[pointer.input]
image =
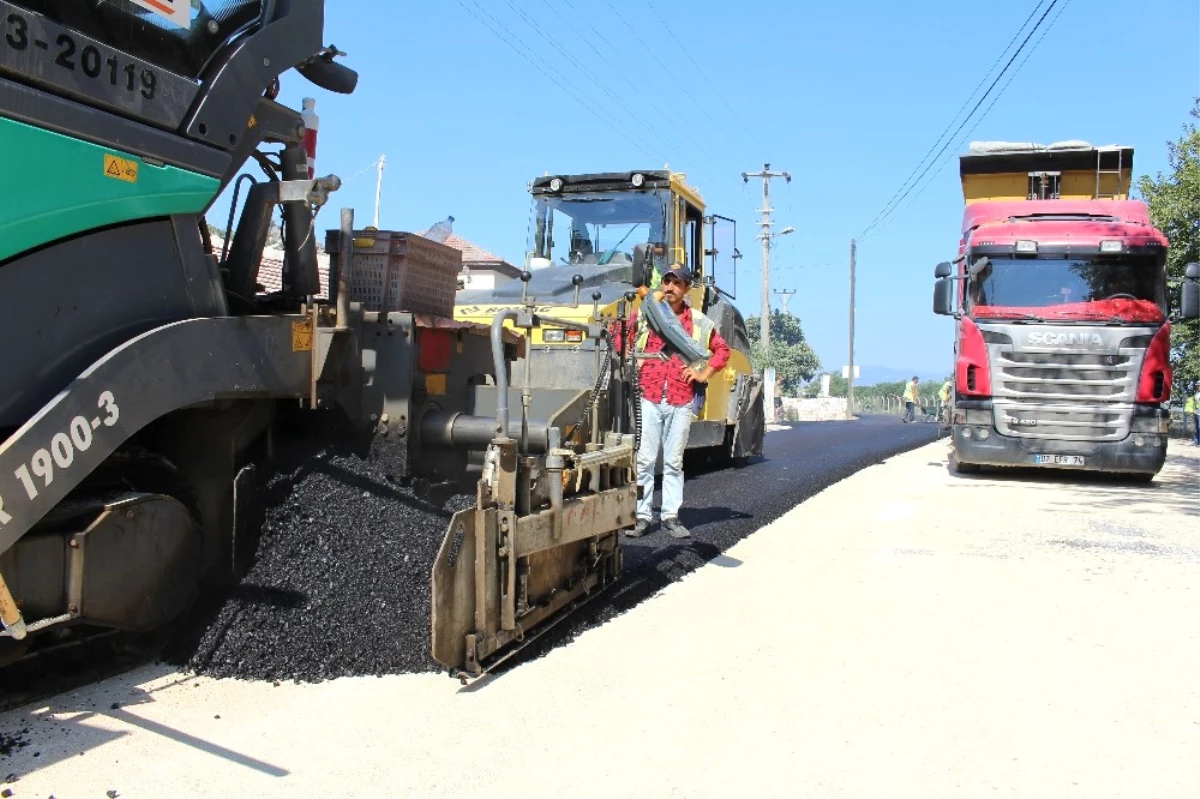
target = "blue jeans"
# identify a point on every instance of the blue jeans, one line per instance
(1196, 428)
(664, 427)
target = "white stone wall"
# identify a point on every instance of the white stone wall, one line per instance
(822, 409)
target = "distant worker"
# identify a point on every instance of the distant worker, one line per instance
(1191, 408)
(910, 399)
(944, 397)
(668, 391)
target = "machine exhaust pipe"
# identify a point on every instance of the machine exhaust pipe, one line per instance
(463, 431)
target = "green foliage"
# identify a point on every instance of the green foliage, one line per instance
(839, 386)
(1174, 201)
(790, 355)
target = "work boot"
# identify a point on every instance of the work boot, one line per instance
(639, 529)
(674, 528)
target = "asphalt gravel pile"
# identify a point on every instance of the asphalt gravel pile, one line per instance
(339, 584)
(12, 741)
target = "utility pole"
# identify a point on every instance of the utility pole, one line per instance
(850, 372)
(785, 296)
(764, 324)
(378, 189)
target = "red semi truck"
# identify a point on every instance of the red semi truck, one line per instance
(1059, 295)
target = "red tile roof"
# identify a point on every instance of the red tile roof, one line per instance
(270, 268)
(472, 252)
(477, 258)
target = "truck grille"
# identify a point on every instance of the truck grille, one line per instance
(1070, 396)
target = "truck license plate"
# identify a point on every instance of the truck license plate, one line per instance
(1058, 460)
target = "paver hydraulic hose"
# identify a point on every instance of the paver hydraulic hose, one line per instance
(664, 322)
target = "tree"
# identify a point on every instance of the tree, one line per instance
(1174, 202)
(789, 355)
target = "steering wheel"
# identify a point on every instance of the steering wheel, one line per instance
(1121, 295)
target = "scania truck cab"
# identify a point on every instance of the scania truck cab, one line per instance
(1059, 295)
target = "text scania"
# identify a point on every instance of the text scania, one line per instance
(1065, 339)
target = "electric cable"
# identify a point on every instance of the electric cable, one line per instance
(549, 73)
(896, 201)
(978, 121)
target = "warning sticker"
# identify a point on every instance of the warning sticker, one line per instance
(177, 11)
(436, 385)
(302, 336)
(120, 168)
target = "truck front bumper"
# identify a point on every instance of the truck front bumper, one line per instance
(1126, 456)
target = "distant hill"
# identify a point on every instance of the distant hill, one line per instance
(870, 375)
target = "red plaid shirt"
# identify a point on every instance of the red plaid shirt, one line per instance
(665, 378)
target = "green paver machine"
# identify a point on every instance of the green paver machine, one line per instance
(147, 372)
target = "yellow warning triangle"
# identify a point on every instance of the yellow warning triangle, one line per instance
(114, 168)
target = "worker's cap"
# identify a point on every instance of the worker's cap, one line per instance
(680, 272)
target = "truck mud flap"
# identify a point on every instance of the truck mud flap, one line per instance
(750, 428)
(147, 377)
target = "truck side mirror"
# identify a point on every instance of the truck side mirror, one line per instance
(944, 297)
(1189, 293)
(944, 269)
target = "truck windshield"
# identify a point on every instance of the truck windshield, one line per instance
(595, 228)
(148, 29)
(1117, 288)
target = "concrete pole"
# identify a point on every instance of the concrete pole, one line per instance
(764, 323)
(850, 374)
(379, 189)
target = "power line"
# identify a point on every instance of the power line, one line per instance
(567, 55)
(946, 130)
(967, 117)
(700, 70)
(982, 116)
(601, 84)
(545, 69)
(668, 71)
(529, 55)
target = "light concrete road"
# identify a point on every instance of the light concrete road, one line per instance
(904, 633)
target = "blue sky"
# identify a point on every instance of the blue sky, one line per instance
(847, 97)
